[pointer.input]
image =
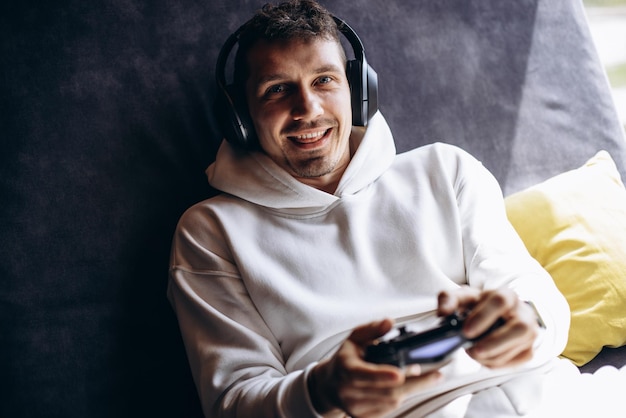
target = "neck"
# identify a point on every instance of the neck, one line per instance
(328, 182)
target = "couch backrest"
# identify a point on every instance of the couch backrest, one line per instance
(107, 130)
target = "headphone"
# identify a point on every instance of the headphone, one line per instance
(232, 111)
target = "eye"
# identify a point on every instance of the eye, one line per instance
(324, 79)
(276, 89)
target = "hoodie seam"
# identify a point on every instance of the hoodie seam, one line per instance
(308, 215)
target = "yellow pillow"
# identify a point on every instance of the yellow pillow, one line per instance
(574, 224)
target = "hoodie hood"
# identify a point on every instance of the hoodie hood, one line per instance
(256, 178)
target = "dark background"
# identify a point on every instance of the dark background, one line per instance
(106, 127)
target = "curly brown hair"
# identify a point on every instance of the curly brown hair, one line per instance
(295, 19)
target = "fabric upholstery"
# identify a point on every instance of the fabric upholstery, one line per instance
(107, 129)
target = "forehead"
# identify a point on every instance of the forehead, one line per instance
(290, 57)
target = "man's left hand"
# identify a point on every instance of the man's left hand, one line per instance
(509, 345)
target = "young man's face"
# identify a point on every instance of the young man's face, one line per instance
(299, 100)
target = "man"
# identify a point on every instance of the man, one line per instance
(322, 233)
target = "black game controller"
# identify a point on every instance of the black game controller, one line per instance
(431, 348)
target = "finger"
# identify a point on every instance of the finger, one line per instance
(367, 333)
(352, 369)
(377, 402)
(521, 358)
(446, 303)
(460, 299)
(382, 377)
(369, 401)
(491, 306)
(411, 385)
(356, 399)
(505, 344)
(511, 358)
(419, 383)
(413, 370)
(491, 349)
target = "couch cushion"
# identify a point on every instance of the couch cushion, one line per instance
(574, 224)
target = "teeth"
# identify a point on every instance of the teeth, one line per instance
(311, 135)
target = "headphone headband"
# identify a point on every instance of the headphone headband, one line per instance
(352, 37)
(232, 111)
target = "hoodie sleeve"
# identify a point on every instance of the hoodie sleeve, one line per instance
(235, 360)
(495, 254)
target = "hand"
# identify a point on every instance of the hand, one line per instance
(346, 382)
(509, 345)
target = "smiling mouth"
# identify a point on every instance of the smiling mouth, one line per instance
(309, 138)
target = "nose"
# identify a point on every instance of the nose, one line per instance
(307, 105)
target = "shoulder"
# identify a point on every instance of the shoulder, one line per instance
(205, 216)
(441, 166)
(200, 239)
(438, 151)
(439, 157)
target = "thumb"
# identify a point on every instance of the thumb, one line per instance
(462, 298)
(364, 334)
(447, 303)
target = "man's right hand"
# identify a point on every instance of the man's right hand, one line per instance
(347, 383)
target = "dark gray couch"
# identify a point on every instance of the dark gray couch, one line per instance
(106, 131)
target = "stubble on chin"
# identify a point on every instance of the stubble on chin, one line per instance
(313, 167)
(315, 163)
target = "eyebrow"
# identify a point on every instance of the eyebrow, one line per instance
(330, 68)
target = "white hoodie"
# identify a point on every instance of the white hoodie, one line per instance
(270, 277)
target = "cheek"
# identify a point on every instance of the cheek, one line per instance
(264, 124)
(267, 126)
(345, 104)
(266, 118)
